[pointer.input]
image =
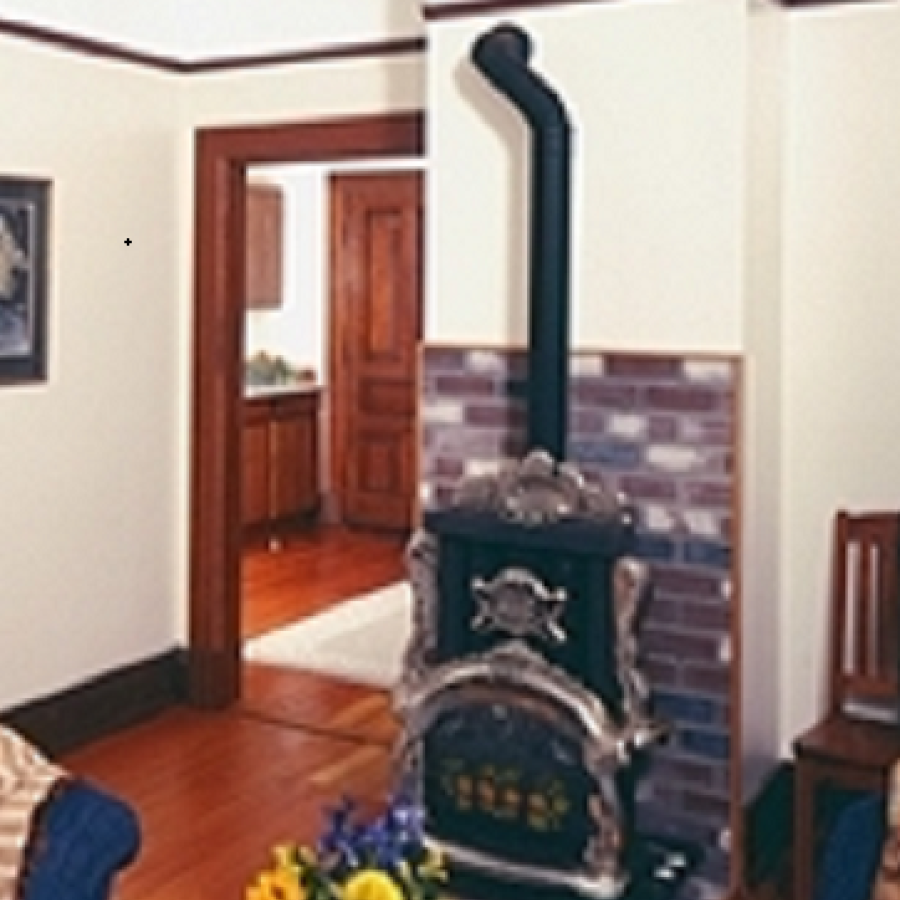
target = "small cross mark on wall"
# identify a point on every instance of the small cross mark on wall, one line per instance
(128, 241)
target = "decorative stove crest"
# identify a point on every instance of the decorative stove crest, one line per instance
(537, 490)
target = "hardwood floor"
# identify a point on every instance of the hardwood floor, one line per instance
(215, 791)
(313, 570)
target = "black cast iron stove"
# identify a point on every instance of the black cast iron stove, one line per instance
(522, 704)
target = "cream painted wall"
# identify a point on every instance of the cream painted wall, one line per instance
(762, 445)
(152, 27)
(90, 457)
(841, 318)
(656, 92)
(215, 28)
(236, 27)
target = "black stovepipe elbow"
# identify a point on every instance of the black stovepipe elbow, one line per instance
(502, 55)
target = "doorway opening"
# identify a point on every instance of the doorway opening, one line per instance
(332, 327)
(223, 157)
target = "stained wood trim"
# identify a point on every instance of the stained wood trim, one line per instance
(329, 53)
(103, 705)
(86, 46)
(804, 3)
(436, 12)
(115, 52)
(221, 159)
(485, 7)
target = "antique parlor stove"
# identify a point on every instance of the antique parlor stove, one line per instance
(523, 709)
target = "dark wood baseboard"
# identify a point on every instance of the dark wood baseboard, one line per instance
(103, 705)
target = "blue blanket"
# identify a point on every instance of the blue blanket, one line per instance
(81, 839)
(852, 851)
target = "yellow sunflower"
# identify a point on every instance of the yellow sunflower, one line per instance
(279, 884)
(370, 884)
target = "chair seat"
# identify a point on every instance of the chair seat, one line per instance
(848, 743)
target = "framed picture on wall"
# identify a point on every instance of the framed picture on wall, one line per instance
(24, 213)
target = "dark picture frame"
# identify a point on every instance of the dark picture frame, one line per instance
(24, 242)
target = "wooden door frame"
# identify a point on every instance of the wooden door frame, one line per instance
(222, 156)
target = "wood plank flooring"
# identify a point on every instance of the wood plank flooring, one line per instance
(215, 791)
(313, 570)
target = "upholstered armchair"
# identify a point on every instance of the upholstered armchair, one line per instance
(81, 839)
(61, 838)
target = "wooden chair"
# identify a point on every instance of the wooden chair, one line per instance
(854, 745)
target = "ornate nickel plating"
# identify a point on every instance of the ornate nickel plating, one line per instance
(421, 562)
(631, 589)
(537, 490)
(519, 604)
(606, 746)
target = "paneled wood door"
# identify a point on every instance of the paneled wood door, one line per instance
(376, 239)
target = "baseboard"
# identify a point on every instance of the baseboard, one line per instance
(103, 705)
(768, 828)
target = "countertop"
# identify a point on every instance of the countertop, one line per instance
(252, 391)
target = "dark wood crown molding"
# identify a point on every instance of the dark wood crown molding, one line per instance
(331, 53)
(804, 3)
(73, 43)
(113, 52)
(438, 11)
(435, 12)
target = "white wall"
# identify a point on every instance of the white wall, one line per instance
(296, 328)
(762, 442)
(89, 457)
(215, 28)
(842, 308)
(152, 27)
(656, 92)
(236, 27)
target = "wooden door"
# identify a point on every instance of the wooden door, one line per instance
(375, 329)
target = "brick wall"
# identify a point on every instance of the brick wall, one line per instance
(663, 431)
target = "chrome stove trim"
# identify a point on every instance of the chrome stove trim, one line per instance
(603, 887)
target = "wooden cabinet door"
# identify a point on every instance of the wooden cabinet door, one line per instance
(295, 456)
(376, 305)
(265, 251)
(255, 488)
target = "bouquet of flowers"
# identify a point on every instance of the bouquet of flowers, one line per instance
(382, 859)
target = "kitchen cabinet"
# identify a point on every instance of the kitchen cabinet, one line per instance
(280, 489)
(265, 245)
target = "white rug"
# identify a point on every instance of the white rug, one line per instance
(361, 640)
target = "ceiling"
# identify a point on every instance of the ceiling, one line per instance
(194, 30)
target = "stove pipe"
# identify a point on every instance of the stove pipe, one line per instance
(502, 56)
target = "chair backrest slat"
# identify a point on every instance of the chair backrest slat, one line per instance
(864, 642)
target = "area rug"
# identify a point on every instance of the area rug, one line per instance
(360, 640)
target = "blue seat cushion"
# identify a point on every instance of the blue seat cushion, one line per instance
(81, 838)
(852, 851)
